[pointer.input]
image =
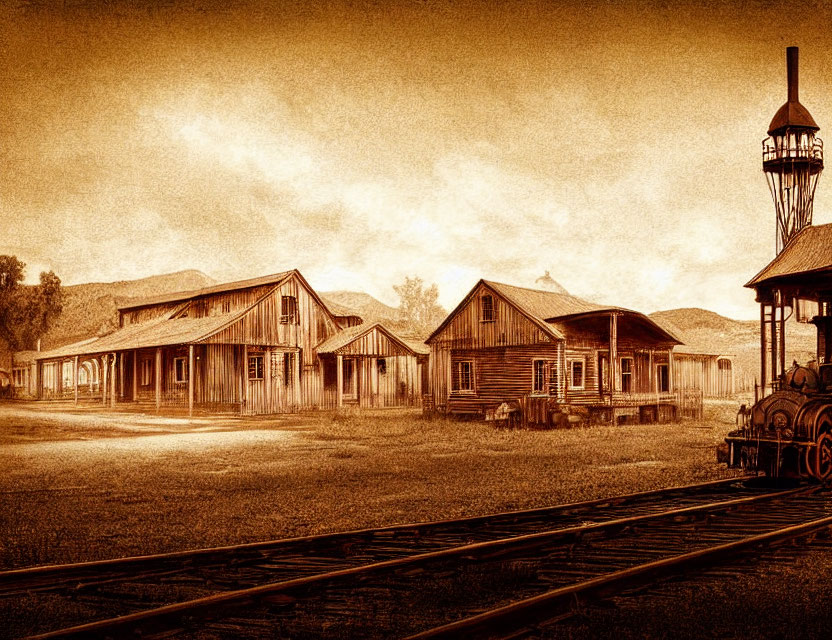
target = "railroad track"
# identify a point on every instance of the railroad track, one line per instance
(301, 583)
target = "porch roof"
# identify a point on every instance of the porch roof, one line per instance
(155, 333)
(808, 254)
(351, 334)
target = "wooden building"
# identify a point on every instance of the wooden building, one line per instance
(251, 347)
(509, 344)
(710, 373)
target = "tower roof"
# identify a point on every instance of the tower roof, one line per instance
(792, 114)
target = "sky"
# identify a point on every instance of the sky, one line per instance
(616, 145)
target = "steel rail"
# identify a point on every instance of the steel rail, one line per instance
(50, 577)
(155, 620)
(558, 604)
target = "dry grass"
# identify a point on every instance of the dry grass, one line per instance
(88, 485)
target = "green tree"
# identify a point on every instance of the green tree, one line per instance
(26, 312)
(419, 311)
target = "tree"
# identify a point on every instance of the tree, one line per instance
(26, 312)
(419, 311)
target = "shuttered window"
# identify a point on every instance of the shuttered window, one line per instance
(288, 310)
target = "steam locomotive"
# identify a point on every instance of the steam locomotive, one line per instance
(788, 433)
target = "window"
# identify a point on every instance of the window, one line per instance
(382, 366)
(83, 376)
(146, 377)
(553, 378)
(604, 373)
(180, 366)
(348, 387)
(575, 370)
(68, 379)
(627, 375)
(255, 367)
(539, 376)
(18, 377)
(462, 376)
(288, 310)
(487, 309)
(288, 368)
(663, 378)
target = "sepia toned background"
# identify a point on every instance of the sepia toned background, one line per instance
(615, 144)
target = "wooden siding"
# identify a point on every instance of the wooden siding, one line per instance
(510, 326)
(374, 343)
(261, 326)
(702, 372)
(398, 384)
(500, 375)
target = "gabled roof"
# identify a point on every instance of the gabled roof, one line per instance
(351, 334)
(339, 309)
(547, 307)
(218, 288)
(809, 251)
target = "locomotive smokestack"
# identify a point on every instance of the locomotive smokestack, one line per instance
(791, 70)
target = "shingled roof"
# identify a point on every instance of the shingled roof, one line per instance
(547, 307)
(350, 334)
(159, 332)
(217, 288)
(810, 251)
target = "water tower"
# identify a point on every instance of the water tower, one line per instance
(792, 160)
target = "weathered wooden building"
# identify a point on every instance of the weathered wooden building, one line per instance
(252, 346)
(504, 343)
(710, 373)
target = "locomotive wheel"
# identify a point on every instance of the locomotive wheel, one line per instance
(809, 462)
(822, 463)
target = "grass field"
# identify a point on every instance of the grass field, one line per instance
(85, 485)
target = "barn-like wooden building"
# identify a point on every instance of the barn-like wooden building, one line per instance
(258, 346)
(508, 344)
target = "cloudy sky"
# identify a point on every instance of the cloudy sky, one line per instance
(616, 145)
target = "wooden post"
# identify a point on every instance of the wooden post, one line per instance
(763, 348)
(190, 380)
(782, 333)
(158, 378)
(670, 370)
(121, 375)
(113, 382)
(615, 383)
(75, 377)
(339, 389)
(104, 380)
(135, 376)
(244, 394)
(267, 379)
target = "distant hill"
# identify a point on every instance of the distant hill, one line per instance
(92, 309)
(708, 332)
(363, 304)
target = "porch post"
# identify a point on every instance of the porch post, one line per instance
(104, 380)
(113, 382)
(158, 378)
(339, 388)
(244, 378)
(190, 380)
(763, 347)
(615, 382)
(670, 370)
(135, 376)
(75, 377)
(121, 375)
